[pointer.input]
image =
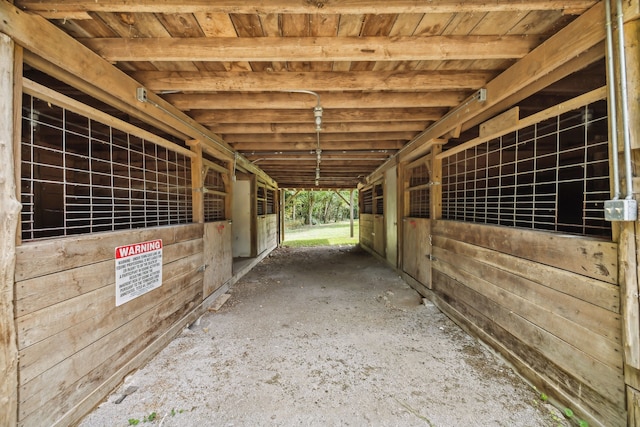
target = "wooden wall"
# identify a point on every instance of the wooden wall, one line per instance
(267, 232)
(218, 255)
(372, 231)
(75, 345)
(549, 303)
(366, 230)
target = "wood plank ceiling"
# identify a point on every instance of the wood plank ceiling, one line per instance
(384, 71)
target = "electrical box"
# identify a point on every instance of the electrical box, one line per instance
(141, 94)
(621, 210)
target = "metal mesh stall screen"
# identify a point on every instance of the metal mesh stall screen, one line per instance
(214, 202)
(367, 201)
(419, 192)
(271, 209)
(82, 176)
(550, 176)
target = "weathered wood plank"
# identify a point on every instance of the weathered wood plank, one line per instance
(9, 219)
(101, 387)
(417, 249)
(53, 319)
(503, 121)
(598, 293)
(294, 6)
(58, 390)
(397, 48)
(556, 317)
(48, 352)
(50, 256)
(37, 293)
(218, 256)
(606, 380)
(589, 257)
(316, 81)
(544, 373)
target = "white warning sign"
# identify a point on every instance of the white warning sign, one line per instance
(138, 269)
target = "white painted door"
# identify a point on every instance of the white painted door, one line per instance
(241, 219)
(391, 215)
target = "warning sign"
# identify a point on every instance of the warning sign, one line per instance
(138, 269)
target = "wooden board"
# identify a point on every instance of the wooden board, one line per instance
(543, 373)
(505, 120)
(601, 294)
(72, 337)
(597, 334)
(589, 257)
(9, 217)
(51, 256)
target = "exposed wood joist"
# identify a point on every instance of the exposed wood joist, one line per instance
(327, 128)
(331, 145)
(209, 117)
(58, 9)
(196, 81)
(308, 137)
(313, 48)
(586, 31)
(286, 101)
(45, 40)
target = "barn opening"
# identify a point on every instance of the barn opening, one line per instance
(490, 150)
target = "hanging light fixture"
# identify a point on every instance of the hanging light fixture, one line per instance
(317, 116)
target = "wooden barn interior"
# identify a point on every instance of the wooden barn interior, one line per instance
(494, 145)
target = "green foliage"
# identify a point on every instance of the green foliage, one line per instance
(544, 397)
(583, 423)
(321, 235)
(568, 413)
(134, 421)
(325, 206)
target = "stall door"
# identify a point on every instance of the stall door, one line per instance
(218, 255)
(391, 216)
(416, 253)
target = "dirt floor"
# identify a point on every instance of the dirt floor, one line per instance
(325, 337)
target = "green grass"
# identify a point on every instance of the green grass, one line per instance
(321, 235)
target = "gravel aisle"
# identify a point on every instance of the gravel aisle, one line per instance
(324, 337)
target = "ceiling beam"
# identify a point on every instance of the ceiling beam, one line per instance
(342, 127)
(330, 145)
(211, 117)
(108, 83)
(579, 36)
(198, 81)
(280, 100)
(62, 8)
(266, 49)
(311, 137)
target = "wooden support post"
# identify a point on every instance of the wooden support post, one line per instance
(351, 202)
(197, 181)
(228, 180)
(630, 233)
(400, 211)
(281, 210)
(17, 124)
(436, 179)
(9, 214)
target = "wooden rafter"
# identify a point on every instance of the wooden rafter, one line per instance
(312, 48)
(60, 7)
(317, 81)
